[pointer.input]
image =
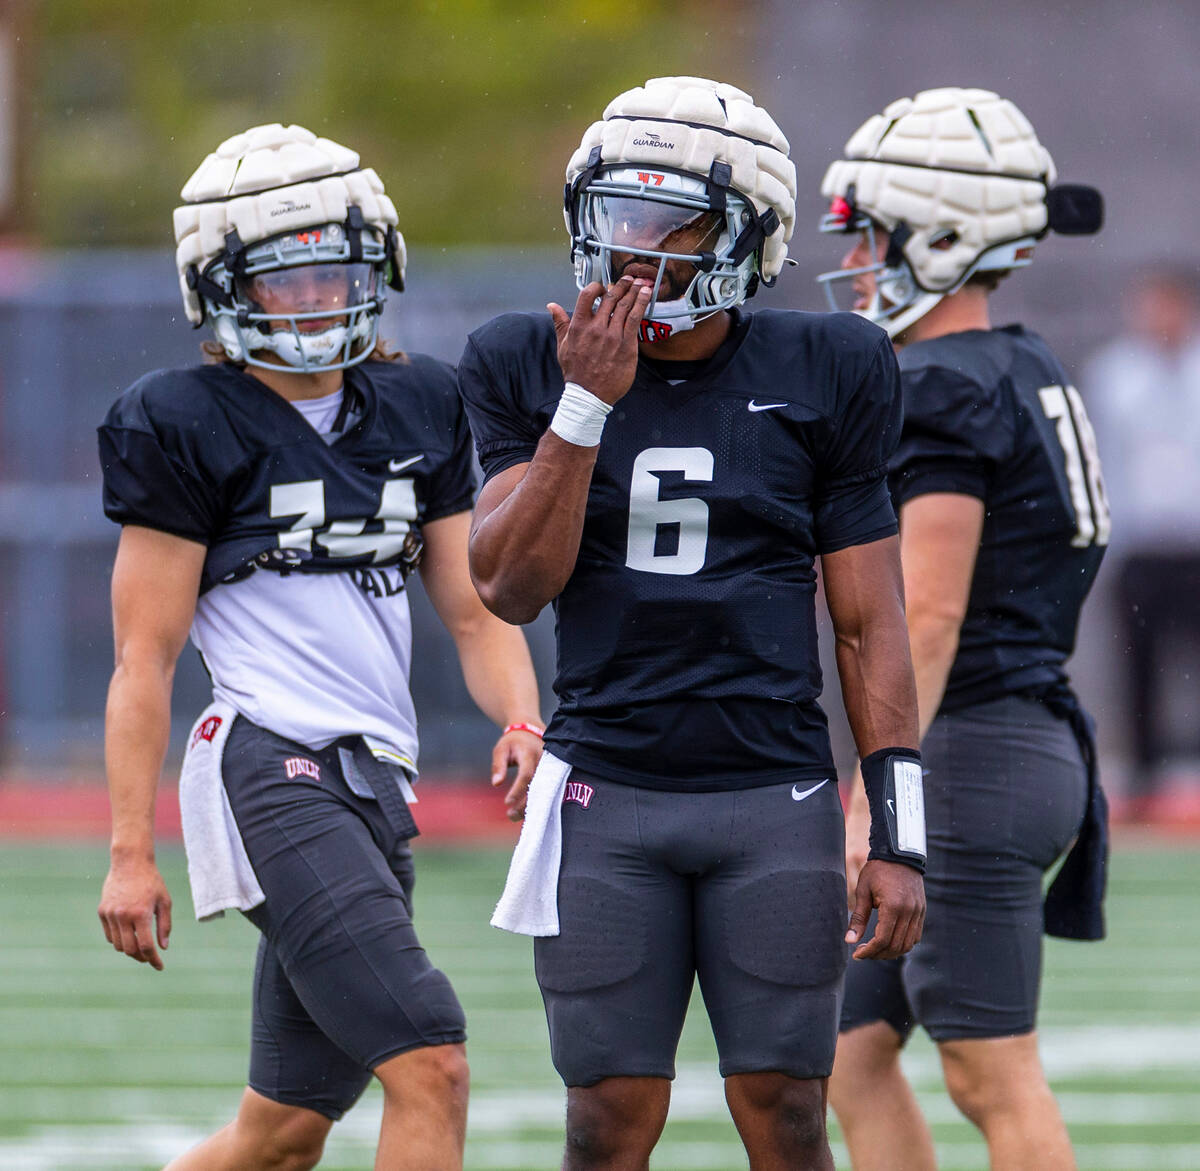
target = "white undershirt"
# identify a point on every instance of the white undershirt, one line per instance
(311, 656)
(321, 412)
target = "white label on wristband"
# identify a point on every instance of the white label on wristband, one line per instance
(910, 806)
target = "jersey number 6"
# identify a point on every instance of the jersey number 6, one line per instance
(649, 514)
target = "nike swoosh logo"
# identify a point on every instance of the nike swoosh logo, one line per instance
(891, 806)
(764, 406)
(397, 465)
(798, 796)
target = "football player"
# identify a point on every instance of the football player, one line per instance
(1003, 522)
(665, 468)
(275, 502)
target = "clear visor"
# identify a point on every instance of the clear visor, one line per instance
(316, 294)
(650, 226)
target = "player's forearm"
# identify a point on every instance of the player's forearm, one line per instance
(136, 731)
(878, 689)
(498, 672)
(524, 549)
(934, 643)
(940, 535)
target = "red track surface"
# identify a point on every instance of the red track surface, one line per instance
(447, 811)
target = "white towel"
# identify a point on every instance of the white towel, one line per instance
(218, 868)
(529, 904)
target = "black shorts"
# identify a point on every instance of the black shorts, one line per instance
(745, 889)
(341, 983)
(1004, 797)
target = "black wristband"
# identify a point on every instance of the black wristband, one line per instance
(896, 796)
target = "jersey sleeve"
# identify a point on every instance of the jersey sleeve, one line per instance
(852, 504)
(956, 432)
(146, 482)
(452, 486)
(504, 434)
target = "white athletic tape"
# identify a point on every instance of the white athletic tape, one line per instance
(580, 416)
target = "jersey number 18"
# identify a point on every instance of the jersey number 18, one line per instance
(1064, 408)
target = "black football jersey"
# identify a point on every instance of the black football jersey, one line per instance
(687, 653)
(992, 414)
(212, 454)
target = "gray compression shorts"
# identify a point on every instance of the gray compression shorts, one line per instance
(1004, 797)
(745, 889)
(341, 983)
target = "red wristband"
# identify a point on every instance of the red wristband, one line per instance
(533, 728)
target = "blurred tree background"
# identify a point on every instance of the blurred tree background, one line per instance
(468, 109)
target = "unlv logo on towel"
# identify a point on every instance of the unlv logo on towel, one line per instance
(207, 730)
(297, 766)
(579, 792)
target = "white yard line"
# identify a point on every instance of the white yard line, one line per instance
(498, 1115)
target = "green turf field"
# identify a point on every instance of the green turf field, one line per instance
(111, 1065)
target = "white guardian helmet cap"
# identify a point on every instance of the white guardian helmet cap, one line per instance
(683, 169)
(279, 217)
(959, 180)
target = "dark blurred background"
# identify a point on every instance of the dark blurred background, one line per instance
(469, 112)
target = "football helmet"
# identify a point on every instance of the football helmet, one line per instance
(682, 169)
(959, 180)
(287, 246)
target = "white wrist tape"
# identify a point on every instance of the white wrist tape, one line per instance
(580, 416)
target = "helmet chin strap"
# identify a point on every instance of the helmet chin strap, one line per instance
(897, 301)
(910, 314)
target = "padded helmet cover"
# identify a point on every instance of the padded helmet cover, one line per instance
(271, 180)
(688, 123)
(960, 161)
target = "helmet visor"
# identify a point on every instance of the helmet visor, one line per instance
(647, 225)
(315, 296)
